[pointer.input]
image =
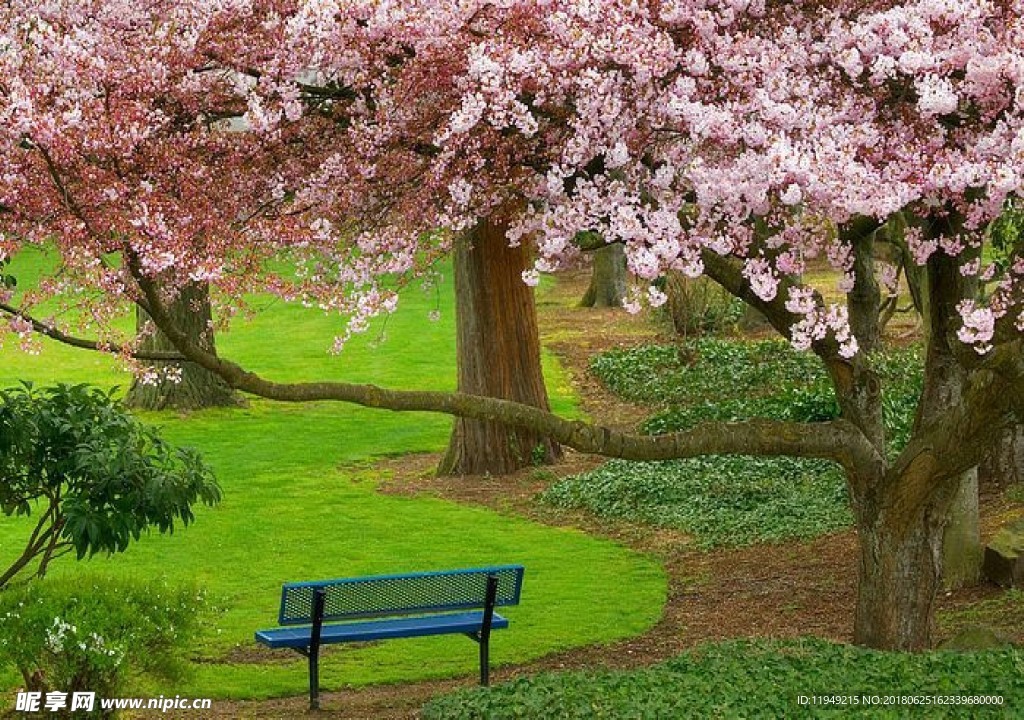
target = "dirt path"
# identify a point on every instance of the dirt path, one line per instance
(784, 590)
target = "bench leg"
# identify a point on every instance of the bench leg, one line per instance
(314, 679)
(319, 598)
(485, 665)
(490, 594)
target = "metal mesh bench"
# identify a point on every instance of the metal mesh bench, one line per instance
(382, 607)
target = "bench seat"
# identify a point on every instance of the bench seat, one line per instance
(299, 637)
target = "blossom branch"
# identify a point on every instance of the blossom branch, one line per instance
(53, 333)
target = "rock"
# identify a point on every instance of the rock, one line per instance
(1004, 556)
(977, 637)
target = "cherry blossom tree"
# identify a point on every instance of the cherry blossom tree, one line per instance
(736, 139)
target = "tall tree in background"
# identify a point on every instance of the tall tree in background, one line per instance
(734, 140)
(179, 385)
(608, 279)
(498, 347)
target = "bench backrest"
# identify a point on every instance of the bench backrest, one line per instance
(408, 594)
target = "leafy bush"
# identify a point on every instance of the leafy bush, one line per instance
(721, 500)
(94, 475)
(90, 635)
(699, 305)
(756, 679)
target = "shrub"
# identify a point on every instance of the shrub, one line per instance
(757, 679)
(95, 476)
(698, 305)
(92, 634)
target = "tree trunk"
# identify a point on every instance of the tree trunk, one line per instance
(900, 570)
(962, 552)
(198, 387)
(945, 380)
(498, 348)
(1005, 466)
(608, 281)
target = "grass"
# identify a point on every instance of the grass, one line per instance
(761, 679)
(299, 504)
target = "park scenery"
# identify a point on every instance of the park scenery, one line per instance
(507, 359)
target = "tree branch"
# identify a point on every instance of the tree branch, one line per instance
(962, 435)
(54, 334)
(839, 441)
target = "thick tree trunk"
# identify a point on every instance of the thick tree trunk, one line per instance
(864, 300)
(198, 387)
(900, 570)
(608, 281)
(498, 347)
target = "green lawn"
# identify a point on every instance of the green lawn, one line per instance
(300, 504)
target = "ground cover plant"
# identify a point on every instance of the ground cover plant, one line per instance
(299, 503)
(735, 499)
(720, 501)
(732, 380)
(758, 679)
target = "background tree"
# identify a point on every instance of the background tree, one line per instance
(498, 349)
(179, 385)
(608, 279)
(94, 477)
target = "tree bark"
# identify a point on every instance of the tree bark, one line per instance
(945, 382)
(900, 568)
(865, 297)
(498, 348)
(198, 387)
(962, 552)
(1005, 466)
(608, 280)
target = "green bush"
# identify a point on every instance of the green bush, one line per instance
(93, 634)
(93, 476)
(758, 679)
(698, 305)
(721, 500)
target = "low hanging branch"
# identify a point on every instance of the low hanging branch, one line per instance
(838, 440)
(53, 333)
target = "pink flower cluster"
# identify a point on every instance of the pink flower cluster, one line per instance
(206, 138)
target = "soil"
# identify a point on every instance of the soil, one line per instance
(782, 590)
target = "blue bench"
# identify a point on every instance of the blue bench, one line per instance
(381, 607)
